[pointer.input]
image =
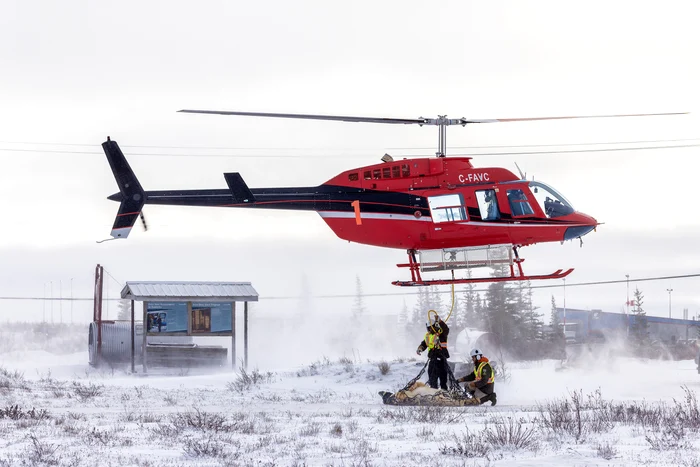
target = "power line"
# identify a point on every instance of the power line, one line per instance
(387, 294)
(326, 156)
(300, 148)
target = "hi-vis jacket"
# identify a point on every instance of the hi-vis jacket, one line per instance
(436, 343)
(483, 376)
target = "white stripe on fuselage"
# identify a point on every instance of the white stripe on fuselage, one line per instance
(408, 217)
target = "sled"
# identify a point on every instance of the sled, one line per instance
(441, 398)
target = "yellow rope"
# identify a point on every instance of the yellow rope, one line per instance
(451, 308)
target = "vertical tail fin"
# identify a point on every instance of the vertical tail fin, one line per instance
(131, 195)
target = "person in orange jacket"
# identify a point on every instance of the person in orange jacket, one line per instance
(481, 381)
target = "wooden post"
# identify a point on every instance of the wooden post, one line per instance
(233, 336)
(145, 334)
(245, 334)
(133, 338)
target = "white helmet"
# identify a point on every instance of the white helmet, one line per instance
(476, 353)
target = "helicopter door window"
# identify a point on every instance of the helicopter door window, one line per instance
(396, 172)
(405, 170)
(376, 174)
(488, 206)
(386, 172)
(353, 177)
(368, 175)
(447, 208)
(519, 205)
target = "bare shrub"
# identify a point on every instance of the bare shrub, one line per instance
(87, 391)
(606, 450)
(312, 429)
(337, 430)
(41, 453)
(467, 445)
(245, 381)
(511, 433)
(384, 367)
(203, 448)
(15, 412)
(204, 421)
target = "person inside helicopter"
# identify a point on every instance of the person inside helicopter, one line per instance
(492, 206)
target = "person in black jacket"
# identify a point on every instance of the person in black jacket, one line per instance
(435, 341)
(481, 381)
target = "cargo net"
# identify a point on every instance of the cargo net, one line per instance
(465, 258)
(417, 393)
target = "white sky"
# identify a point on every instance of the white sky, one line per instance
(74, 72)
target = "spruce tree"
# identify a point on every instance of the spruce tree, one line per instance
(358, 307)
(124, 313)
(639, 328)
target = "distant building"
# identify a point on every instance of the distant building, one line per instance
(596, 325)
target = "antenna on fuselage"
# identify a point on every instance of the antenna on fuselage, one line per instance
(523, 176)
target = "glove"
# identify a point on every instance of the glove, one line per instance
(471, 386)
(417, 352)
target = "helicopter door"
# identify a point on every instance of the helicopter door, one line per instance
(447, 211)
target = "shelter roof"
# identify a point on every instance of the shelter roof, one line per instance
(190, 291)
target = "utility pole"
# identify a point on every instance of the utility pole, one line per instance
(71, 300)
(43, 309)
(51, 284)
(669, 301)
(60, 301)
(628, 304)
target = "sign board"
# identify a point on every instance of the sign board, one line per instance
(189, 318)
(167, 318)
(211, 318)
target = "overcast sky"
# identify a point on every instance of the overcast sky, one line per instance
(72, 73)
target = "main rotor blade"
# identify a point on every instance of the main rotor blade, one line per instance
(561, 118)
(314, 117)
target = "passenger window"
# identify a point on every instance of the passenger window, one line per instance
(376, 174)
(353, 177)
(447, 208)
(368, 175)
(386, 172)
(405, 170)
(519, 205)
(488, 206)
(396, 172)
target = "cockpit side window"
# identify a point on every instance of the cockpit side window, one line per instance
(552, 203)
(488, 206)
(519, 205)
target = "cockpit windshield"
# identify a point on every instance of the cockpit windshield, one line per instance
(550, 200)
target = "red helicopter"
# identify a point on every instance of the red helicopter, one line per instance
(447, 214)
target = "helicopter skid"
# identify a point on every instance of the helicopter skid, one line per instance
(465, 258)
(558, 274)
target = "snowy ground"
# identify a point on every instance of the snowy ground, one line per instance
(56, 410)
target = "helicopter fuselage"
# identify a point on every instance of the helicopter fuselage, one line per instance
(412, 204)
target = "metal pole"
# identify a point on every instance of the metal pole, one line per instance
(71, 300)
(51, 285)
(669, 301)
(245, 334)
(60, 302)
(144, 342)
(133, 338)
(628, 304)
(233, 336)
(43, 312)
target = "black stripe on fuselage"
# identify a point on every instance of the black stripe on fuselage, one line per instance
(320, 198)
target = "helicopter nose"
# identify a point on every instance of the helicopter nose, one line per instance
(580, 230)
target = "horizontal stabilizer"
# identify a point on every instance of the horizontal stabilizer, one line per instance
(239, 189)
